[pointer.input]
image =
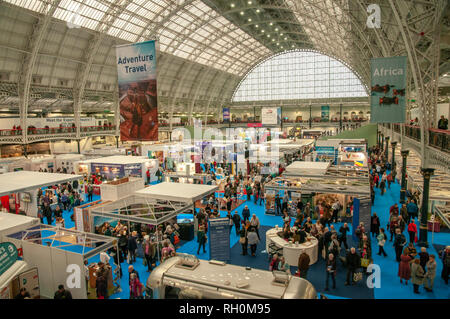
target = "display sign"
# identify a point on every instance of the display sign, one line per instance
(328, 151)
(271, 115)
(254, 124)
(219, 239)
(226, 114)
(30, 281)
(8, 256)
(388, 86)
(108, 171)
(43, 122)
(133, 170)
(136, 71)
(361, 213)
(325, 113)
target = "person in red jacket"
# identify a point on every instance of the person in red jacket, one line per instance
(394, 209)
(412, 231)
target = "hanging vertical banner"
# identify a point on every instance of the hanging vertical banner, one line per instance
(388, 85)
(226, 114)
(136, 71)
(325, 113)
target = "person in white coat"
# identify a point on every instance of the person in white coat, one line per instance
(254, 222)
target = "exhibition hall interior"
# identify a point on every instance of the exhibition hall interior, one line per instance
(225, 149)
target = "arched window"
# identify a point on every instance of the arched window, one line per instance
(299, 75)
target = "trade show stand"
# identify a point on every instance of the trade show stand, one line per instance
(292, 251)
(116, 189)
(24, 185)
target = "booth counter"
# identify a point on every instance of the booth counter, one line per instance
(114, 190)
(292, 251)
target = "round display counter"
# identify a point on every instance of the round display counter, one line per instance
(291, 251)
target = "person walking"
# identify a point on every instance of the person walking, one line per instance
(430, 274)
(303, 265)
(399, 243)
(417, 275)
(237, 222)
(331, 271)
(374, 225)
(149, 248)
(382, 238)
(423, 256)
(201, 239)
(383, 186)
(412, 231)
(404, 270)
(353, 261)
(254, 222)
(132, 246)
(243, 240)
(343, 235)
(278, 210)
(246, 213)
(445, 256)
(253, 240)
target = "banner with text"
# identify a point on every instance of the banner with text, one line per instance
(226, 114)
(388, 86)
(136, 71)
(325, 112)
(270, 115)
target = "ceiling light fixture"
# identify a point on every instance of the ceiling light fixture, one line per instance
(256, 26)
(285, 38)
(249, 2)
(249, 20)
(232, 5)
(242, 13)
(258, 11)
(271, 23)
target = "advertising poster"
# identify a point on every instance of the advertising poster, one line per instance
(270, 115)
(226, 114)
(8, 256)
(136, 71)
(388, 85)
(108, 171)
(325, 113)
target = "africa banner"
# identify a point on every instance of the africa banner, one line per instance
(136, 71)
(388, 87)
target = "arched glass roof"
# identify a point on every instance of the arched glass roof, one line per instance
(299, 75)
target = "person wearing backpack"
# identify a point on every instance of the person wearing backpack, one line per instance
(382, 238)
(399, 243)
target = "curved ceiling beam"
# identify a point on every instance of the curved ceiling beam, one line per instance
(29, 60)
(102, 29)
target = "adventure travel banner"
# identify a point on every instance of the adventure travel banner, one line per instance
(388, 86)
(136, 71)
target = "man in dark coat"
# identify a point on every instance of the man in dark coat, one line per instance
(237, 222)
(278, 205)
(246, 213)
(399, 243)
(353, 263)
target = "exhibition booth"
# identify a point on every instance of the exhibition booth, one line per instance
(119, 166)
(52, 250)
(18, 190)
(15, 273)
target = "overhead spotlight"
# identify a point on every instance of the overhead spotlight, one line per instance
(256, 26)
(268, 35)
(249, 2)
(249, 20)
(273, 40)
(258, 11)
(276, 29)
(293, 46)
(271, 23)
(278, 44)
(242, 13)
(285, 38)
(262, 31)
(281, 34)
(232, 5)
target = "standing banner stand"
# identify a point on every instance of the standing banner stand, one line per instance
(219, 239)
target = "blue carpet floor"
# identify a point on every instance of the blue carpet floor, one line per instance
(390, 285)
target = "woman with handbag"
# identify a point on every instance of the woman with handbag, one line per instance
(417, 275)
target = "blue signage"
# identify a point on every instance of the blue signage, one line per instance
(219, 239)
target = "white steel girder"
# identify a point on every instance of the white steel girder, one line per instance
(423, 64)
(29, 60)
(83, 71)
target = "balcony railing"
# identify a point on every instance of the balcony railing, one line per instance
(57, 130)
(439, 139)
